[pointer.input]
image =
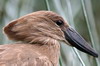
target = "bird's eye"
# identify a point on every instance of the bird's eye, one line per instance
(59, 22)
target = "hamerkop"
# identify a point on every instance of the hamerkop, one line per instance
(40, 34)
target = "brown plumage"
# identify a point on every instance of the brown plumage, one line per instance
(40, 34)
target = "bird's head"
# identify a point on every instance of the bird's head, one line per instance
(44, 26)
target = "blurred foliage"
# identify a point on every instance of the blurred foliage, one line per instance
(83, 15)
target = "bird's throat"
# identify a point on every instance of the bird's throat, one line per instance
(50, 49)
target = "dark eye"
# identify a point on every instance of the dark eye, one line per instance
(59, 22)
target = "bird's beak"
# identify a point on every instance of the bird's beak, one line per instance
(76, 40)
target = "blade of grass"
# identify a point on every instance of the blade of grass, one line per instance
(79, 57)
(47, 5)
(87, 9)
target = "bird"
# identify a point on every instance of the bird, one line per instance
(39, 35)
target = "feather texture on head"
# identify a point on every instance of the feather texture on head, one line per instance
(35, 27)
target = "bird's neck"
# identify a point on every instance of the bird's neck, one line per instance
(50, 49)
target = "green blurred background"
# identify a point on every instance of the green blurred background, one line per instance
(83, 15)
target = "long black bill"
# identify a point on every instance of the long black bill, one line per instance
(76, 40)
